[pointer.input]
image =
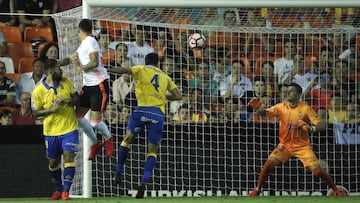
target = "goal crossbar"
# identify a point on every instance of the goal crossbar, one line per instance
(225, 3)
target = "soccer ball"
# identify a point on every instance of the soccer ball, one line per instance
(344, 191)
(196, 40)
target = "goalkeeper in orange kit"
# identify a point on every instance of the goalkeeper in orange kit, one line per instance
(297, 119)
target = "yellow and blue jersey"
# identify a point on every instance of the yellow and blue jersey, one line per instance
(151, 86)
(62, 121)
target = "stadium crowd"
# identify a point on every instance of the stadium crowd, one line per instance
(219, 79)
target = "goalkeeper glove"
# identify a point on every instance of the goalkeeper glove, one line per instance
(255, 103)
(303, 125)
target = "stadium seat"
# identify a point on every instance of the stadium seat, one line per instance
(9, 64)
(25, 65)
(18, 51)
(11, 33)
(13, 76)
(32, 32)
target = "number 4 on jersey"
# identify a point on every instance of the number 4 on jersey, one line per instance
(155, 82)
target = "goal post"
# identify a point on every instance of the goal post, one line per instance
(215, 158)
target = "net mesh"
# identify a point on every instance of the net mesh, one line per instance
(221, 149)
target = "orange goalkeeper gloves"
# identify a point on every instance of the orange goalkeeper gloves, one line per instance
(255, 103)
(303, 125)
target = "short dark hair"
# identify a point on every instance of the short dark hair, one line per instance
(259, 78)
(121, 44)
(85, 25)
(49, 64)
(151, 59)
(297, 86)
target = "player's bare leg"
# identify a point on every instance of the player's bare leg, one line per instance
(265, 171)
(326, 178)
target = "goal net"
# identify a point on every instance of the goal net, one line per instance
(215, 145)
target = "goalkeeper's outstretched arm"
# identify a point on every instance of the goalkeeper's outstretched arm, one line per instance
(256, 104)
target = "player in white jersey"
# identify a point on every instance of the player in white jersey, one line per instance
(95, 90)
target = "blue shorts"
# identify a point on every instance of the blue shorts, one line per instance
(56, 145)
(151, 117)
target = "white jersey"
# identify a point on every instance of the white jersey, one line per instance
(304, 80)
(97, 74)
(244, 84)
(137, 54)
(282, 69)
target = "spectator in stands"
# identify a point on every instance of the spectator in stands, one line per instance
(235, 84)
(300, 75)
(125, 113)
(233, 41)
(40, 8)
(121, 57)
(199, 112)
(28, 81)
(241, 114)
(321, 96)
(108, 55)
(138, 49)
(183, 115)
(121, 87)
(323, 113)
(50, 51)
(169, 66)
(352, 111)
(341, 82)
(267, 71)
(23, 115)
(222, 66)
(208, 17)
(204, 81)
(7, 88)
(6, 117)
(179, 49)
(284, 65)
(7, 17)
(112, 114)
(230, 109)
(324, 61)
(337, 114)
(254, 20)
(208, 55)
(161, 40)
(297, 121)
(258, 44)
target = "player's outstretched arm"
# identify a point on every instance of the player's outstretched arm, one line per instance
(175, 94)
(256, 104)
(120, 70)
